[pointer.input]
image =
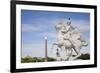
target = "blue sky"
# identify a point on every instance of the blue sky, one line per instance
(35, 24)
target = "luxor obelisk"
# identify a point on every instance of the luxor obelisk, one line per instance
(45, 48)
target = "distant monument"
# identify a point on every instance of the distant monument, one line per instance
(69, 38)
(46, 57)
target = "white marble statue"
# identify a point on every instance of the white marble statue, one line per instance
(68, 38)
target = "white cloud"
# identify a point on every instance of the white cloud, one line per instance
(30, 28)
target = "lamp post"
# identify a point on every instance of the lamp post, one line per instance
(45, 48)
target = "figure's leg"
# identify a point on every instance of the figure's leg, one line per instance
(77, 50)
(63, 53)
(68, 53)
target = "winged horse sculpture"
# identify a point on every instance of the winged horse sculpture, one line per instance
(68, 39)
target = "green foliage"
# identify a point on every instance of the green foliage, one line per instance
(84, 57)
(51, 59)
(29, 59)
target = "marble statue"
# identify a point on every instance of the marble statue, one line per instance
(69, 38)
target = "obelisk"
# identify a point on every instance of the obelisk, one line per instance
(46, 49)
